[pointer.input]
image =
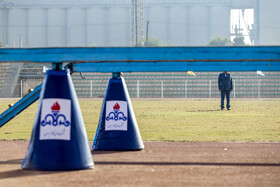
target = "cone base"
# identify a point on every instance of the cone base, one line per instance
(58, 141)
(116, 133)
(58, 169)
(140, 149)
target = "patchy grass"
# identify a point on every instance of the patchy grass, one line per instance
(176, 120)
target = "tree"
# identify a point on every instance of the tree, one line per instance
(238, 41)
(219, 41)
(152, 42)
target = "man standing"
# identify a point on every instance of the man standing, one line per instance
(225, 87)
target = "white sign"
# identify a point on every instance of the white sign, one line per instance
(116, 116)
(55, 122)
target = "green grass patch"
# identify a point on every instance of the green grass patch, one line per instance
(175, 120)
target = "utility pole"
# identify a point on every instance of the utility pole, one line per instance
(20, 41)
(257, 23)
(136, 27)
(147, 33)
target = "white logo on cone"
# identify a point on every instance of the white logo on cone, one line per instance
(55, 122)
(116, 116)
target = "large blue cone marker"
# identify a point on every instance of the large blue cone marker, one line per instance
(58, 140)
(117, 128)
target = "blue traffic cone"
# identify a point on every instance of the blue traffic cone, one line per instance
(58, 140)
(117, 128)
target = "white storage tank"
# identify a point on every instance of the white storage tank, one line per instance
(56, 27)
(118, 25)
(157, 25)
(220, 21)
(37, 33)
(17, 25)
(178, 25)
(198, 26)
(76, 26)
(2, 26)
(96, 25)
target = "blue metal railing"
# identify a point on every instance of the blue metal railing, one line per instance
(20, 106)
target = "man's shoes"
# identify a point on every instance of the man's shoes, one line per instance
(222, 108)
(228, 108)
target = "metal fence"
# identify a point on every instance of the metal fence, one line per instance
(186, 89)
(181, 85)
(20, 89)
(156, 85)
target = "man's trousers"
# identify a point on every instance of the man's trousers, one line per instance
(223, 94)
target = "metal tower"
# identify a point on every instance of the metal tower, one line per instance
(137, 23)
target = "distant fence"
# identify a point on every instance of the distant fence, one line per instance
(181, 85)
(186, 89)
(160, 85)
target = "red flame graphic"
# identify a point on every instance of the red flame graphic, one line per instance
(116, 106)
(56, 106)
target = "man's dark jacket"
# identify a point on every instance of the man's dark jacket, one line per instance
(225, 82)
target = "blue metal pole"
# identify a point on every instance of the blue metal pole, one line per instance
(19, 106)
(141, 54)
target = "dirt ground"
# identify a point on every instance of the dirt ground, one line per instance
(159, 164)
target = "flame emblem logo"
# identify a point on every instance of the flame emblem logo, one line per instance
(55, 107)
(116, 107)
(55, 118)
(116, 115)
